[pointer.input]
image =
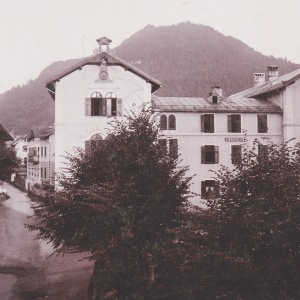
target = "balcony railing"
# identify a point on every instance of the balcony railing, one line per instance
(34, 159)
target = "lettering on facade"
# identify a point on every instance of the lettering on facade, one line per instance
(235, 139)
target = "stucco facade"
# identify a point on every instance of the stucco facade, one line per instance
(41, 160)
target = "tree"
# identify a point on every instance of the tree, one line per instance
(121, 202)
(8, 161)
(253, 226)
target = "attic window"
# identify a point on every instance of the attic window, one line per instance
(214, 99)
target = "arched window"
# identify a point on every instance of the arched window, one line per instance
(112, 100)
(96, 139)
(163, 122)
(172, 122)
(98, 105)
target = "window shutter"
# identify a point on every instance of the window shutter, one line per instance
(211, 125)
(229, 123)
(238, 124)
(106, 107)
(109, 107)
(202, 154)
(216, 154)
(119, 107)
(202, 123)
(203, 189)
(173, 147)
(163, 145)
(87, 106)
(88, 147)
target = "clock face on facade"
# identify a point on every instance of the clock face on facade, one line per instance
(103, 75)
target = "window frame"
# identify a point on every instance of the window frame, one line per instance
(172, 122)
(205, 154)
(234, 158)
(208, 183)
(262, 123)
(238, 123)
(205, 120)
(163, 122)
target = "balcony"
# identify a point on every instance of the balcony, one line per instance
(33, 159)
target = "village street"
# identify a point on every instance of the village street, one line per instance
(26, 272)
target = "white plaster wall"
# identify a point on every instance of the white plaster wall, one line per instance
(190, 139)
(72, 127)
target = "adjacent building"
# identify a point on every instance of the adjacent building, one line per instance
(209, 132)
(41, 158)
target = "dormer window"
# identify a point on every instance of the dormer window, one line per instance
(214, 99)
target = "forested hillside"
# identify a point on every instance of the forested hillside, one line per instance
(187, 58)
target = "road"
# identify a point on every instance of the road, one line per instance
(26, 270)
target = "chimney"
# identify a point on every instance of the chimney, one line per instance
(272, 72)
(216, 94)
(258, 79)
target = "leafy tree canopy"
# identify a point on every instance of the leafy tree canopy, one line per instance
(120, 202)
(8, 161)
(253, 226)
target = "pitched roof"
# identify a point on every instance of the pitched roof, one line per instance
(45, 132)
(4, 134)
(204, 105)
(96, 60)
(269, 86)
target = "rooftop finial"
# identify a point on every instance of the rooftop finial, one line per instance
(104, 41)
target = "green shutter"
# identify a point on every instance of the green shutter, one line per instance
(119, 107)
(87, 106)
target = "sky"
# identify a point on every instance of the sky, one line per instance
(36, 33)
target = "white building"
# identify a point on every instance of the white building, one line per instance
(41, 158)
(20, 146)
(90, 93)
(209, 132)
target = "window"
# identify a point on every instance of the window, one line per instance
(208, 188)
(93, 143)
(42, 148)
(45, 152)
(262, 124)
(45, 173)
(172, 122)
(110, 105)
(163, 145)
(42, 172)
(25, 160)
(169, 146)
(207, 123)
(25, 148)
(173, 147)
(214, 99)
(262, 151)
(163, 122)
(236, 154)
(209, 154)
(234, 123)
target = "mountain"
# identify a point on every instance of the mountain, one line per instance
(187, 58)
